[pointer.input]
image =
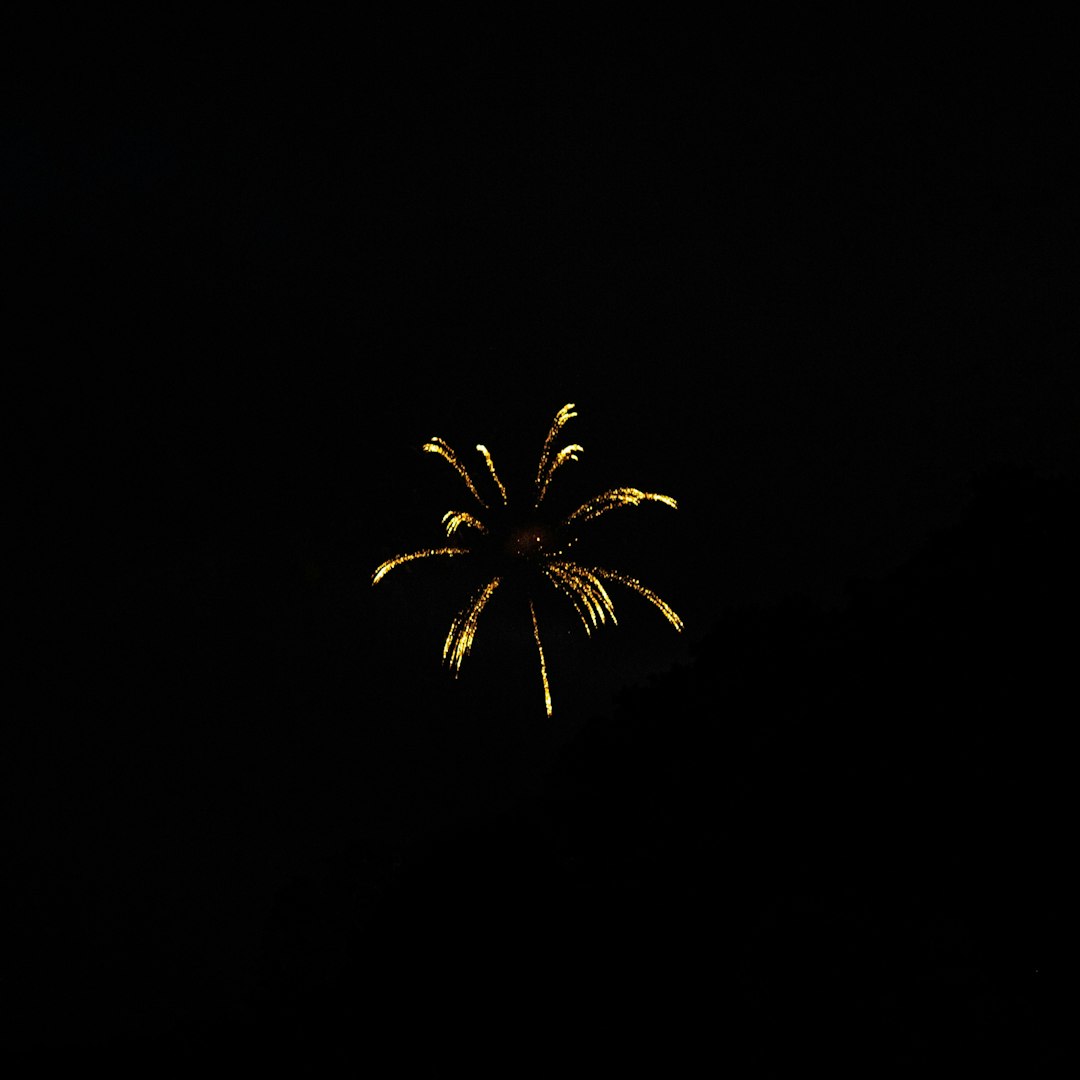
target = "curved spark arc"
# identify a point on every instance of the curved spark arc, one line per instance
(585, 584)
(384, 568)
(567, 453)
(601, 504)
(454, 519)
(445, 450)
(572, 595)
(633, 583)
(545, 469)
(463, 629)
(491, 469)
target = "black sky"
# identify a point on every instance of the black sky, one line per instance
(826, 300)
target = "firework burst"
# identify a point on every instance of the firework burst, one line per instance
(526, 543)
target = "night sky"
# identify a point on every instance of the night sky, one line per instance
(825, 299)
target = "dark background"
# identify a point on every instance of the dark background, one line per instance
(823, 296)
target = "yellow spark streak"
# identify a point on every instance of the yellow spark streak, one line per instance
(454, 519)
(584, 584)
(613, 499)
(491, 469)
(463, 629)
(571, 595)
(571, 585)
(384, 568)
(561, 417)
(568, 453)
(543, 666)
(633, 583)
(443, 449)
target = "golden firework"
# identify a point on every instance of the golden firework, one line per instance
(535, 544)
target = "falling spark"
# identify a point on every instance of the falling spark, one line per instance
(612, 500)
(438, 446)
(454, 519)
(543, 666)
(633, 583)
(491, 469)
(463, 629)
(530, 543)
(385, 568)
(545, 469)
